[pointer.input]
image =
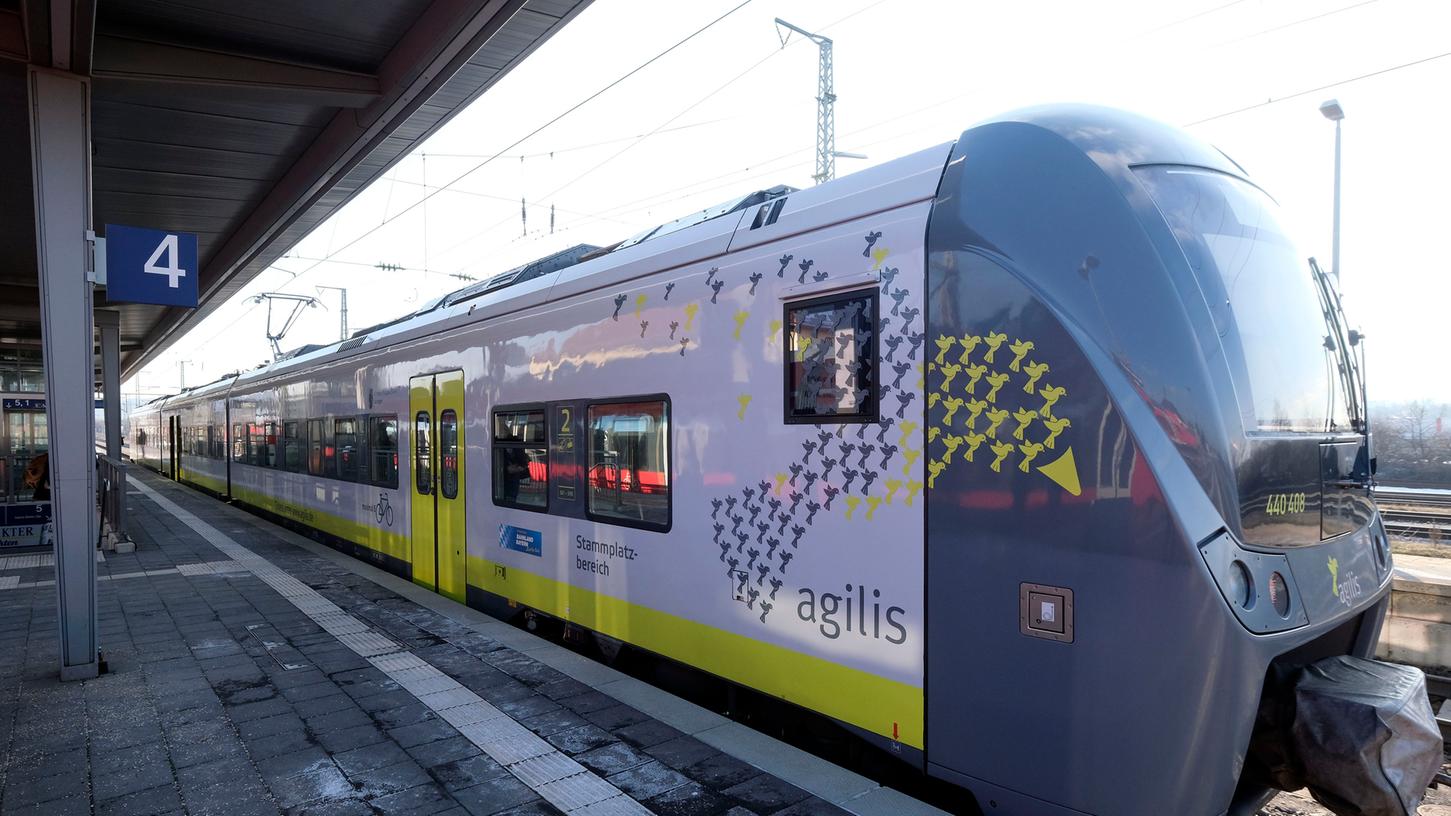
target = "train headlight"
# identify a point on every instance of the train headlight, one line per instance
(1239, 587)
(1279, 595)
(1244, 576)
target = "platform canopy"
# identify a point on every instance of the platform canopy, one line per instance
(247, 123)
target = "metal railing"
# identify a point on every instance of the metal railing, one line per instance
(111, 485)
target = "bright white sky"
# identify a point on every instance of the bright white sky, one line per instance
(732, 111)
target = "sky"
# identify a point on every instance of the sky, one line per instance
(732, 111)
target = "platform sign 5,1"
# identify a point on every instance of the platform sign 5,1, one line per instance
(151, 266)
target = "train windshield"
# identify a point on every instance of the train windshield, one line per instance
(1262, 293)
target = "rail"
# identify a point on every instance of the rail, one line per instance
(1416, 513)
(111, 484)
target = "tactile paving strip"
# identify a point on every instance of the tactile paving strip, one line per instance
(562, 782)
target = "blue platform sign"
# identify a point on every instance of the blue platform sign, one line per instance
(151, 266)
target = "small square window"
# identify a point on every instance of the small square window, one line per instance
(831, 359)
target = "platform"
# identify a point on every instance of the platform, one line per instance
(252, 671)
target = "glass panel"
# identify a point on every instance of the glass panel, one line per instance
(422, 462)
(267, 451)
(383, 450)
(1228, 230)
(329, 450)
(314, 447)
(831, 358)
(239, 444)
(345, 440)
(629, 472)
(291, 446)
(520, 462)
(519, 426)
(448, 453)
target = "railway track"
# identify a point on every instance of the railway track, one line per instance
(1416, 512)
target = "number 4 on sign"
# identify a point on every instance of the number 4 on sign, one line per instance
(173, 272)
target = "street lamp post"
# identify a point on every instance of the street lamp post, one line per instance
(1331, 110)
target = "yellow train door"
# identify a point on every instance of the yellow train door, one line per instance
(436, 404)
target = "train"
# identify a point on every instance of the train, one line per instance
(1035, 458)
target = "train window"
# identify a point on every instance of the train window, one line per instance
(520, 459)
(314, 447)
(329, 450)
(267, 451)
(345, 444)
(629, 463)
(422, 456)
(239, 444)
(383, 451)
(448, 453)
(831, 359)
(291, 446)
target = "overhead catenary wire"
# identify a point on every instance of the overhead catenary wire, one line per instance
(571, 109)
(1319, 88)
(502, 222)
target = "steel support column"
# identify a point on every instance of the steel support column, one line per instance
(60, 154)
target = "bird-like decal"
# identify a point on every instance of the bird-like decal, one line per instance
(871, 241)
(1020, 349)
(1055, 426)
(949, 371)
(944, 344)
(975, 372)
(1030, 451)
(1035, 372)
(1025, 417)
(1000, 452)
(995, 418)
(996, 380)
(1050, 394)
(969, 343)
(993, 340)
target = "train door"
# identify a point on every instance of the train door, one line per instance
(173, 447)
(436, 405)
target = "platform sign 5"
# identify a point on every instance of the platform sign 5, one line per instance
(151, 266)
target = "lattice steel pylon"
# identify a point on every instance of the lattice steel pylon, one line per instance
(825, 104)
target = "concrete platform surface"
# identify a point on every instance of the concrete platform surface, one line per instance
(255, 672)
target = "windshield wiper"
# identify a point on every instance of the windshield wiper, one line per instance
(1343, 339)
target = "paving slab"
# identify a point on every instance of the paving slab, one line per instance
(254, 671)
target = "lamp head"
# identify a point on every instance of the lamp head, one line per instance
(1331, 110)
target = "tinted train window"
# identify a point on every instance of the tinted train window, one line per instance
(521, 460)
(1264, 295)
(291, 446)
(422, 458)
(383, 451)
(448, 453)
(239, 443)
(831, 359)
(314, 447)
(267, 451)
(345, 444)
(629, 463)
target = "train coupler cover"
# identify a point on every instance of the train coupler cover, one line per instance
(1361, 737)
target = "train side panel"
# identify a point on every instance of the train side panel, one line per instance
(793, 559)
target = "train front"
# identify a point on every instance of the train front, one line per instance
(1149, 501)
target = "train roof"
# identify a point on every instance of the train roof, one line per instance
(582, 268)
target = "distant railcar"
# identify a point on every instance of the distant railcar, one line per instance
(1032, 457)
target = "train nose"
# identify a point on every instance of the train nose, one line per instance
(1358, 733)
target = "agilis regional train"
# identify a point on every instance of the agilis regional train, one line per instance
(1035, 457)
